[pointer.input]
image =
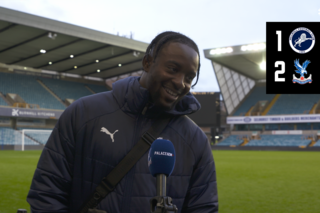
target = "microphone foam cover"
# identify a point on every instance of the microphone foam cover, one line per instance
(162, 157)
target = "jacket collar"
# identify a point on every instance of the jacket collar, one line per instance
(133, 98)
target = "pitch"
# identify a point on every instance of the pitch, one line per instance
(268, 181)
(248, 181)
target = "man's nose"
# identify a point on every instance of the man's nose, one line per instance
(179, 81)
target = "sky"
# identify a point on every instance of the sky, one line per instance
(210, 23)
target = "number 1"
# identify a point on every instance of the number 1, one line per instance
(279, 40)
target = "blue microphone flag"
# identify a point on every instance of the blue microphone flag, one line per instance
(162, 157)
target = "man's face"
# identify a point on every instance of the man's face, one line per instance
(170, 76)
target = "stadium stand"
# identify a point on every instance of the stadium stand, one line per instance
(2, 102)
(258, 94)
(231, 140)
(41, 137)
(29, 90)
(287, 104)
(316, 126)
(317, 144)
(97, 88)
(66, 89)
(280, 140)
(10, 136)
(304, 126)
(286, 126)
(271, 127)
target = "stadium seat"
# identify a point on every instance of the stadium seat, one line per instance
(287, 104)
(10, 136)
(258, 94)
(41, 137)
(231, 140)
(303, 126)
(317, 144)
(29, 90)
(2, 102)
(67, 89)
(97, 88)
(280, 140)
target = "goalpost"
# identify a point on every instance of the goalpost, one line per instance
(41, 134)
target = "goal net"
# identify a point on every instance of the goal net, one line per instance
(34, 137)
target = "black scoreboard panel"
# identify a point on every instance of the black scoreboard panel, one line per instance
(293, 50)
(209, 114)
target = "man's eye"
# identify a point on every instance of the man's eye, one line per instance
(173, 69)
(190, 78)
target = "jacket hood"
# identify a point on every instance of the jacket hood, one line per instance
(133, 98)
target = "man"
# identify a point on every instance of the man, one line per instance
(97, 131)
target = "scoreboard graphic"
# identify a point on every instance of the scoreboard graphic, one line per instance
(293, 58)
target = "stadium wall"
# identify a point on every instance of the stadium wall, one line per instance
(14, 122)
(28, 147)
(19, 147)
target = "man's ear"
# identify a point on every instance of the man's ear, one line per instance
(146, 63)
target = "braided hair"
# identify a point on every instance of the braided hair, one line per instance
(169, 36)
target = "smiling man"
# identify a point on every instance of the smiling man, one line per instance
(96, 132)
(169, 78)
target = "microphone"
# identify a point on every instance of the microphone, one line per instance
(161, 161)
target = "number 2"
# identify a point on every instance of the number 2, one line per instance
(276, 74)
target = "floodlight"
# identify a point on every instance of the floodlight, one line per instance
(136, 53)
(255, 47)
(260, 46)
(216, 137)
(75, 67)
(263, 65)
(97, 61)
(250, 47)
(119, 65)
(229, 50)
(52, 35)
(71, 56)
(98, 70)
(221, 50)
(50, 62)
(43, 51)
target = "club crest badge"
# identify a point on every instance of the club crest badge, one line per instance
(302, 70)
(302, 40)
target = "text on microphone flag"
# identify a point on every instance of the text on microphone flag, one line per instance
(163, 153)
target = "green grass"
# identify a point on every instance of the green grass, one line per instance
(266, 181)
(16, 172)
(248, 181)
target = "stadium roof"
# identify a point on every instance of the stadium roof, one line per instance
(248, 60)
(238, 69)
(35, 42)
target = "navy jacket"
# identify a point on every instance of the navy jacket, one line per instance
(78, 155)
